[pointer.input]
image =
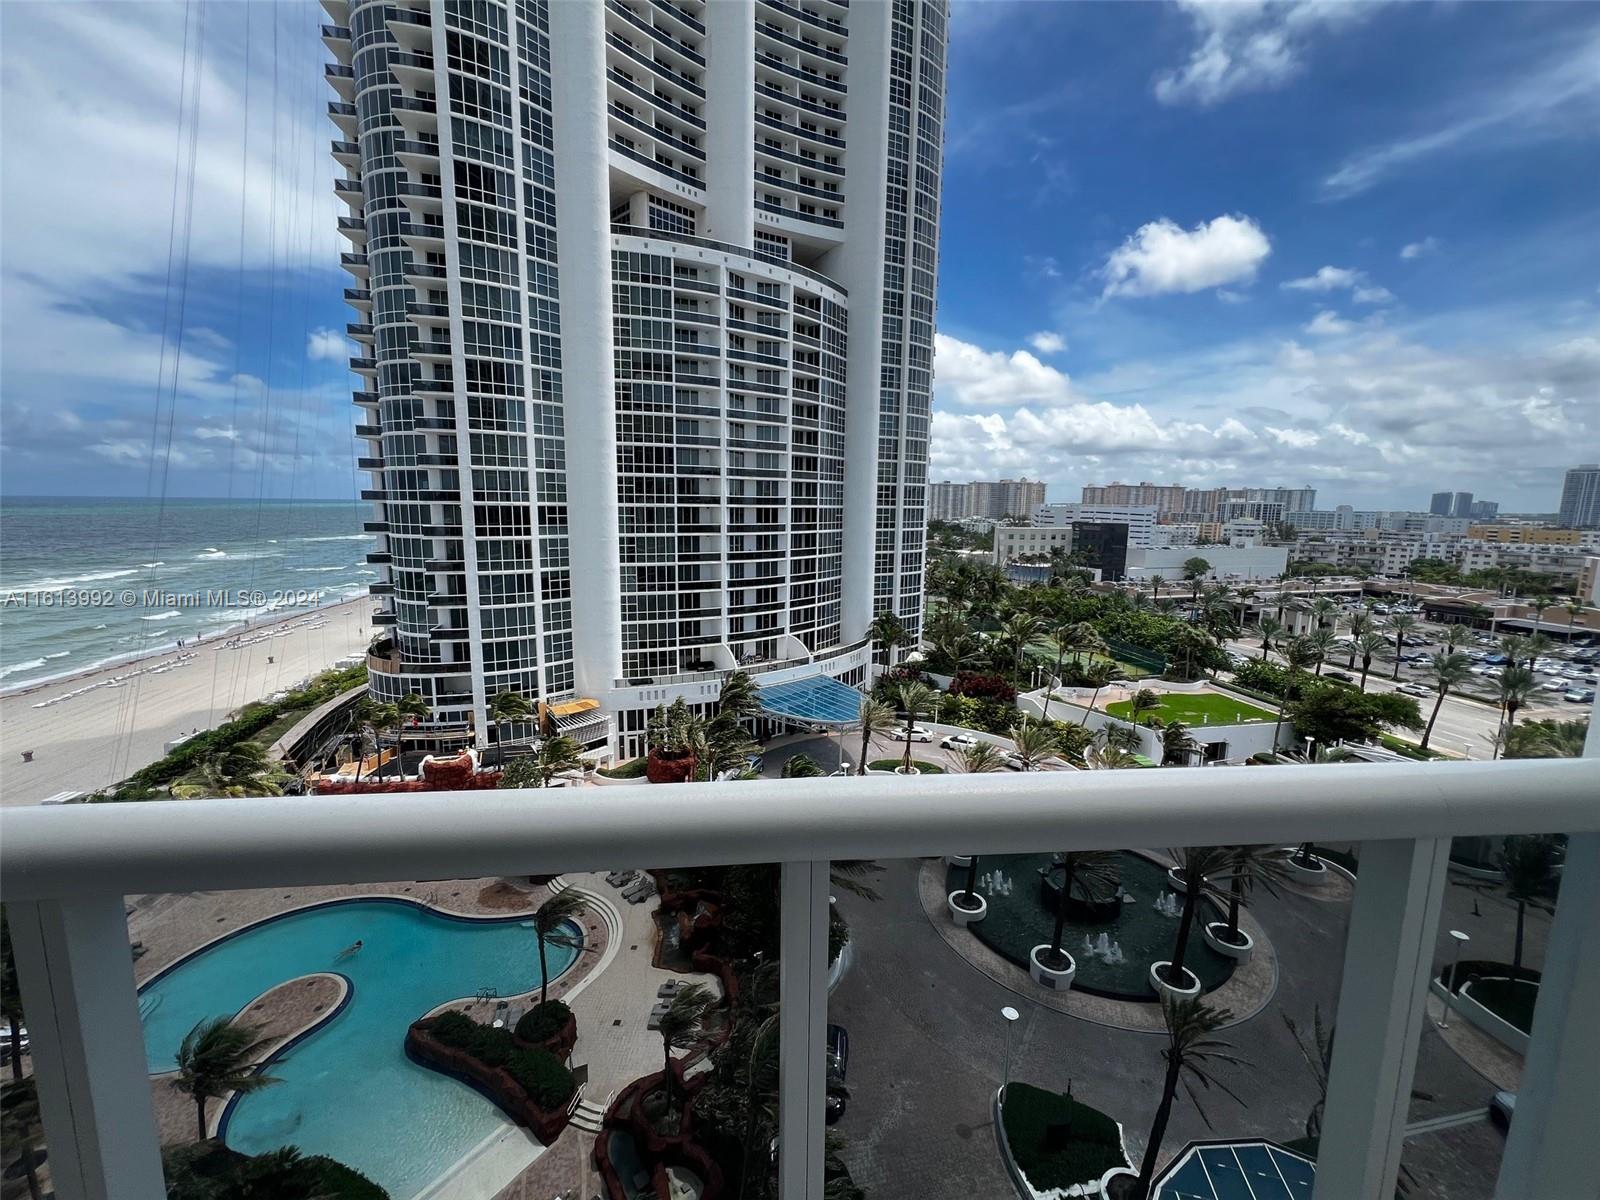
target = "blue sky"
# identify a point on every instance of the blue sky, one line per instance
(1355, 245)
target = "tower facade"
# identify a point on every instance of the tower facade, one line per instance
(645, 297)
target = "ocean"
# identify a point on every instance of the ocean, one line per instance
(85, 582)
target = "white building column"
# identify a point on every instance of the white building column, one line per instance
(589, 408)
(802, 1028)
(76, 971)
(1387, 960)
(730, 139)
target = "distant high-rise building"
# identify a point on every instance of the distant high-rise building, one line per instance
(1484, 508)
(1439, 504)
(1461, 504)
(991, 499)
(1580, 498)
(1166, 498)
(1453, 504)
(702, 441)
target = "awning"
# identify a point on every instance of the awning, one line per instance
(816, 699)
(568, 708)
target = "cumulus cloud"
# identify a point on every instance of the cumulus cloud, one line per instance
(1161, 258)
(1250, 45)
(1417, 249)
(1338, 279)
(1372, 295)
(327, 344)
(1047, 343)
(1328, 323)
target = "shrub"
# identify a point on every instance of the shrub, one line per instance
(543, 1021)
(490, 1046)
(549, 1084)
(627, 770)
(983, 687)
(890, 764)
(1057, 1141)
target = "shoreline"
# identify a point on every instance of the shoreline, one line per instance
(202, 641)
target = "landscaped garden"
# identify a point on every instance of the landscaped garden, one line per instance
(1020, 917)
(1056, 1141)
(893, 764)
(1196, 708)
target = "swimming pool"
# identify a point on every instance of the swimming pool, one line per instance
(348, 1090)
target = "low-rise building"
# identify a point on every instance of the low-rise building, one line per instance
(1226, 562)
(1014, 543)
(1139, 518)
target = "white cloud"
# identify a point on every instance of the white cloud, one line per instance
(1161, 258)
(1250, 45)
(1554, 97)
(327, 344)
(1372, 295)
(1328, 323)
(1326, 279)
(1427, 245)
(1047, 343)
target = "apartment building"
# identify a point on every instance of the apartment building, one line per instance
(1139, 518)
(991, 499)
(1580, 498)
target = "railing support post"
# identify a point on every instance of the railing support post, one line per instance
(802, 1027)
(1387, 959)
(76, 973)
(1551, 1147)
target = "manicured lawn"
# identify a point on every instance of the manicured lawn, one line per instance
(1197, 708)
(890, 764)
(1056, 1140)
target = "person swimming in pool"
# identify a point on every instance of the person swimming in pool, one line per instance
(349, 951)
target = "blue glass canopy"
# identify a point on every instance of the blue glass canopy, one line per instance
(1237, 1171)
(818, 699)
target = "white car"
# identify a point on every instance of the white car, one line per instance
(958, 741)
(916, 734)
(1414, 689)
(1579, 695)
(1554, 685)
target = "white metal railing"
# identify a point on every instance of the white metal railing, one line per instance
(64, 871)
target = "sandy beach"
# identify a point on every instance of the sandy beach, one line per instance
(95, 728)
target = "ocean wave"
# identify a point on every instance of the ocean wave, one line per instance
(319, 569)
(33, 664)
(69, 580)
(212, 552)
(338, 537)
(100, 626)
(163, 616)
(59, 654)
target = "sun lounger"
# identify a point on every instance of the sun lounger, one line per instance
(670, 988)
(621, 878)
(639, 891)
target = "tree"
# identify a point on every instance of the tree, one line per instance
(1144, 701)
(1539, 604)
(241, 769)
(915, 699)
(877, 719)
(1296, 657)
(1401, 626)
(1197, 864)
(1096, 676)
(739, 697)
(1546, 739)
(1191, 1055)
(214, 1059)
(1270, 629)
(1157, 582)
(1516, 685)
(682, 1026)
(1529, 864)
(1320, 642)
(557, 910)
(1359, 624)
(1034, 742)
(1177, 744)
(1019, 633)
(889, 632)
(1574, 611)
(556, 755)
(1331, 713)
(1448, 670)
(1325, 612)
(1368, 642)
(1249, 866)
(1096, 874)
(19, 1126)
(802, 766)
(505, 708)
(410, 707)
(982, 758)
(1194, 570)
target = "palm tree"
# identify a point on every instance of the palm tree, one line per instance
(1455, 636)
(1574, 611)
(1157, 582)
(877, 719)
(1097, 675)
(915, 699)
(1358, 624)
(242, 769)
(505, 708)
(1320, 642)
(1191, 1053)
(1108, 756)
(1177, 744)
(558, 909)
(1144, 700)
(1194, 570)
(1197, 864)
(890, 633)
(1546, 739)
(1018, 634)
(1296, 657)
(1529, 864)
(1539, 604)
(1401, 626)
(412, 706)
(1449, 670)
(1516, 684)
(682, 1026)
(1536, 646)
(214, 1059)
(1270, 629)
(1096, 874)
(1247, 867)
(1318, 1057)
(1368, 642)
(802, 766)
(1324, 610)
(556, 755)
(982, 758)
(1034, 743)
(739, 697)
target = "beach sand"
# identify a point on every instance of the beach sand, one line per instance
(87, 731)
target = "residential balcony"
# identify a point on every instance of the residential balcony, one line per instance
(366, 399)
(360, 331)
(412, 29)
(343, 114)
(364, 366)
(341, 77)
(355, 229)
(349, 190)
(358, 298)
(67, 869)
(337, 39)
(355, 262)
(347, 154)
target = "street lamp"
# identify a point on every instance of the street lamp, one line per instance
(1011, 1015)
(1450, 996)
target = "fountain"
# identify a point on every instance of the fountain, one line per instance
(1168, 905)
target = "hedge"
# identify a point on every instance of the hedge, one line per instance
(540, 1073)
(890, 764)
(1056, 1141)
(549, 1084)
(628, 770)
(543, 1021)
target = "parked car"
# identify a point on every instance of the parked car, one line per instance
(838, 1062)
(1554, 685)
(957, 741)
(755, 762)
(916, 734)
(1579, 695)
(1414, 689)
(1502, 1105)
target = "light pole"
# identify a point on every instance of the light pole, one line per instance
(1011, 1015)
(1461, 940)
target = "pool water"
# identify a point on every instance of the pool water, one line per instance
(348, 1090)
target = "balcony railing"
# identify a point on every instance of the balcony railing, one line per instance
(65, 872)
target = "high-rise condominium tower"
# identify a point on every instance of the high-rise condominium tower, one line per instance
(1580, 498)
(647, 297)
